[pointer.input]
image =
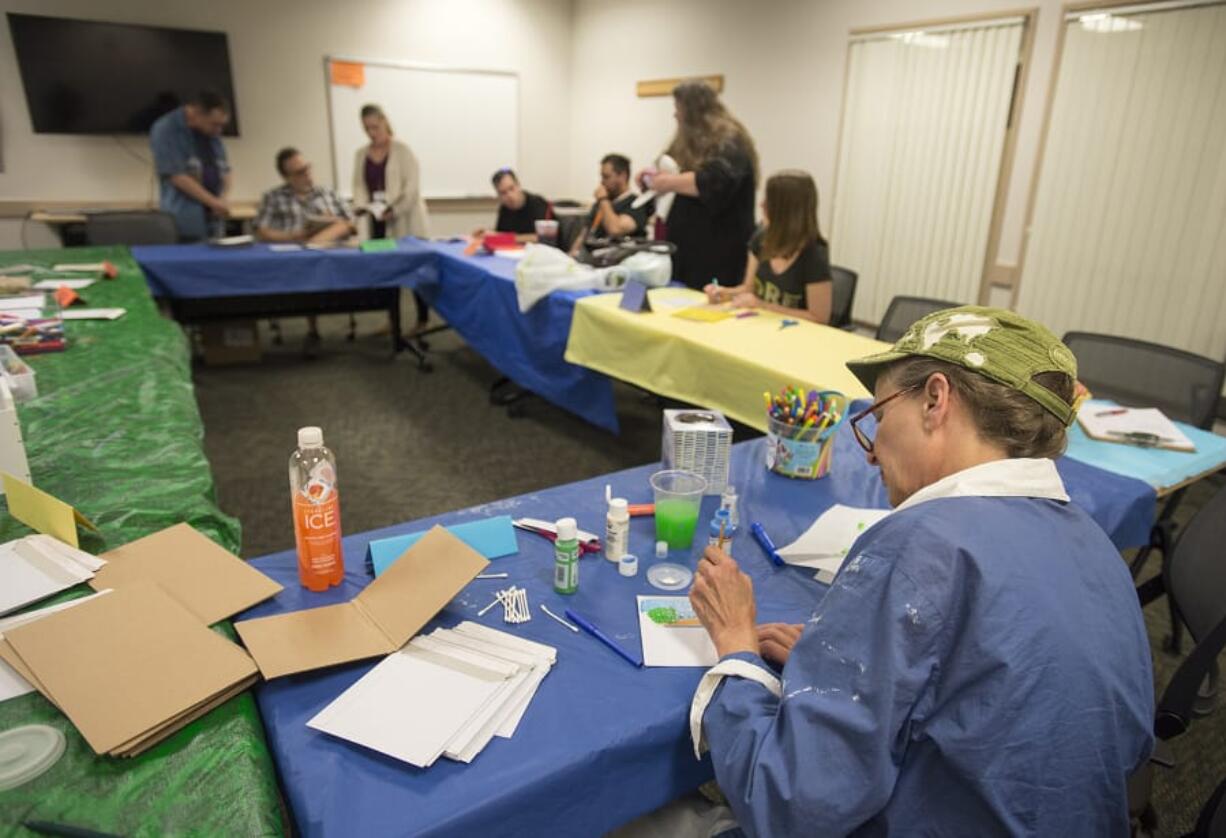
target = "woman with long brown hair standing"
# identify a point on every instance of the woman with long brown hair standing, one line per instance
(789, 262)
(712, 215)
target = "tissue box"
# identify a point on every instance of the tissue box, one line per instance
(698, 441)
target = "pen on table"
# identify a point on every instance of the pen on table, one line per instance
(49, 828)
(584, 624)
(1118, 411)
(768, 546)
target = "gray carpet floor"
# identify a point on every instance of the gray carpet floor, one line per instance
(410, 444)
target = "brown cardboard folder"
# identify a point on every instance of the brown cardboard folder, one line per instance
(378, 621)
(131, 667)
(209, 581)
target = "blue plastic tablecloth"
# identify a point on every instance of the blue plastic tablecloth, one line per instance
(602, 742)
(193, 271)
(476, 296)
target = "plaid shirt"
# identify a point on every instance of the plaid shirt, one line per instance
(282, 210)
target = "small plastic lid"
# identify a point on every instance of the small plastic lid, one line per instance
(668, 576)
(310, 437)
(568, 530)
(619, 505)
(661, 549)
(27, 752)
(628, 565)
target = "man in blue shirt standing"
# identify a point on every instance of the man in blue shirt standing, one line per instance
(979, 665)
(191, 165)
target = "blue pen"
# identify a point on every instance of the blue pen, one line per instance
(583, 623)
(767, 545)
(785, 323)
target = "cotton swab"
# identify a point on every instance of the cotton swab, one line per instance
(492, 575)
(564, 622)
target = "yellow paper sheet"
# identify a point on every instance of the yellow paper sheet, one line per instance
(43, 512)
(722, 366)
(703, 314)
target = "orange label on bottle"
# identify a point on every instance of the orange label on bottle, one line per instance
(317, 531)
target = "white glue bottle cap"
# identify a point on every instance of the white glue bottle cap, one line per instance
(310, 437)
(568, 530)
(619, 507)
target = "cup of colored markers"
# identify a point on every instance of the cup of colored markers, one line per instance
(800, 430)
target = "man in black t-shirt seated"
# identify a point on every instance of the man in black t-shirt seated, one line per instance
(613, 215)
(518, 211)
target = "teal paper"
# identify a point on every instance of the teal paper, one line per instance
(491, 537)
(1158, 467)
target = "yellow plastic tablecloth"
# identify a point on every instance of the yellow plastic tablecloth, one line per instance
(724, 366)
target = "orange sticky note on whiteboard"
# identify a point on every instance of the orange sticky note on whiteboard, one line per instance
(348, 73)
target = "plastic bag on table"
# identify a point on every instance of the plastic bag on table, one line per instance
(544, 270)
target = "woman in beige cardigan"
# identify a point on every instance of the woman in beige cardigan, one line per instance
(385, 173)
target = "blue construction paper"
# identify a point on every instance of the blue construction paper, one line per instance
(491, 537)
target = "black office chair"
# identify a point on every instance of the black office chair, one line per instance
(903, 311)
(131, 227)
(1183, 385)
(1195, 578)
(842, 295)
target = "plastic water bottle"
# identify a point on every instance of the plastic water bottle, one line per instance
(566, 557)
(317, 512)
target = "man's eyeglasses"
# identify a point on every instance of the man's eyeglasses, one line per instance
(864, 436)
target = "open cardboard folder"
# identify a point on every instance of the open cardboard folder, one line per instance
(206, 579)
(378, 621)
(131, 667)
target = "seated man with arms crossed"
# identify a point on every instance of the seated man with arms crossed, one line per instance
(613, 215)
(979, 665)
(300, 211)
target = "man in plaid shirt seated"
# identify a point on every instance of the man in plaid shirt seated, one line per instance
(300, 211)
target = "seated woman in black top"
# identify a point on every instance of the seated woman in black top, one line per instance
(789, 262)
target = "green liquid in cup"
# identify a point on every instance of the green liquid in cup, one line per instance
(675, 523)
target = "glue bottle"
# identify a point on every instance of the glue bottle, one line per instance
(566, 557)
(722, 529)
(317, 512)
(617, 529)
(728, 501)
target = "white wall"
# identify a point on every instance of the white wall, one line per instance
(276, 53)
(783, 64)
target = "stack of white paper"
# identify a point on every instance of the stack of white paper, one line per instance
(38, 566)
(444, 694)
(825, 544)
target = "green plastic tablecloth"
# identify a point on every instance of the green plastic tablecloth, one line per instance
(115, 431)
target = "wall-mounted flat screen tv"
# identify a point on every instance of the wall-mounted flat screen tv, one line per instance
(90, 77)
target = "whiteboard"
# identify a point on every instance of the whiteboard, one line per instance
(463, 125)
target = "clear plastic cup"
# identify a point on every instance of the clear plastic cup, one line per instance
(547, 230)
(678, 496)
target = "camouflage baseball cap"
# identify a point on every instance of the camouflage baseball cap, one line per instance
(993, 342)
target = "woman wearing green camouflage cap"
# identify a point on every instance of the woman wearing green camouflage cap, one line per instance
(979, 666)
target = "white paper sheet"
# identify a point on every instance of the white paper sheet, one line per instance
(1105, 420)
(825, 544)
(675, 638)
(52, 284)
(34, 567)
(408, 707)
(23, 302)
(93, 313)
